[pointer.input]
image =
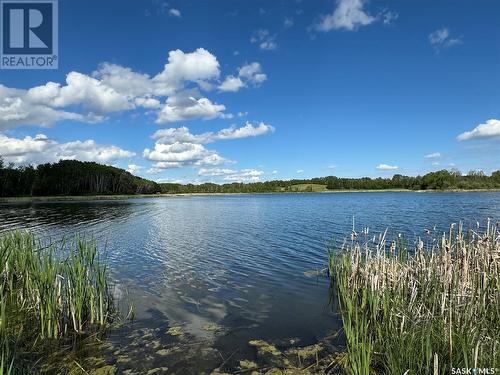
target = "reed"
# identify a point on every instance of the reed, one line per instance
(48, 291)
(420, 310)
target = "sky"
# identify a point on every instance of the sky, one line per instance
(237, 90)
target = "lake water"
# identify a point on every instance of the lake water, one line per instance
(224, 270)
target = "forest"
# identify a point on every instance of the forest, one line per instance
(72, 177)
(440, 180)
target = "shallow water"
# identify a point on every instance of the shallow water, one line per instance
(208, 274)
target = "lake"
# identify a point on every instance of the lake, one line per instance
(208, 274)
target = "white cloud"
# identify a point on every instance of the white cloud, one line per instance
(300, 171)
(274, 172)
(252, 73)
(247, 74)
(41, 149)
(248, 130)
(232, 84)
(348, 15)
(288, 22)
(134, 168)
(488, 130)
(182, 134)
(434, 155)
(148, 103)
(441, 39)
(268, 45)
(80, 89)
(124, 80)
(154, 170)
(388, 17)
(387, 167)
(16, 110)
(179, 155)
(265, 40)
(184, 107)
(231, 175)
(178, 147)
(198, 66)
(173, 94)
(174, 12)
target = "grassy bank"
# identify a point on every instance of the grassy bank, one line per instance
(420, 309)
(306, 190)
(48, 293)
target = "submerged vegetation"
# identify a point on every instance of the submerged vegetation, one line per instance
(48, 293)
(420, 310)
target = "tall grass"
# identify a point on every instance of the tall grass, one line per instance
(47, 292)
(420, 310)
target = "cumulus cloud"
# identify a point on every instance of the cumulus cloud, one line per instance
(16, 109)
(124, 80)
(177, 155)
(300, 171)
(434, 155)
(248, 130)
(348, 15)
(174, 12)
(183, 135)
(488, 130)
(41, 149)
(249, 74)
(232, 84)
(198, 66)
(174, 94)
(178, 147)
(231, 175)
(264, 39)
(252, 73)
(184, 107)
(387, 167)
(441, 39)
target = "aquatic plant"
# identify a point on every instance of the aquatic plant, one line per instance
(48, 291)
(423, 310)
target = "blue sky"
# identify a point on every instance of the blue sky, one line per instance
(223, 91)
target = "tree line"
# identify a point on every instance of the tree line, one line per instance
(70, 177)
(440, 180)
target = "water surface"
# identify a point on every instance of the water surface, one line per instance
(223, 270)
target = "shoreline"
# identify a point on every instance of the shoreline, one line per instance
(82, 198)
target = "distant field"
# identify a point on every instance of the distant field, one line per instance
(307, 187)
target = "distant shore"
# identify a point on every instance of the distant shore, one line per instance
(76, 198)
